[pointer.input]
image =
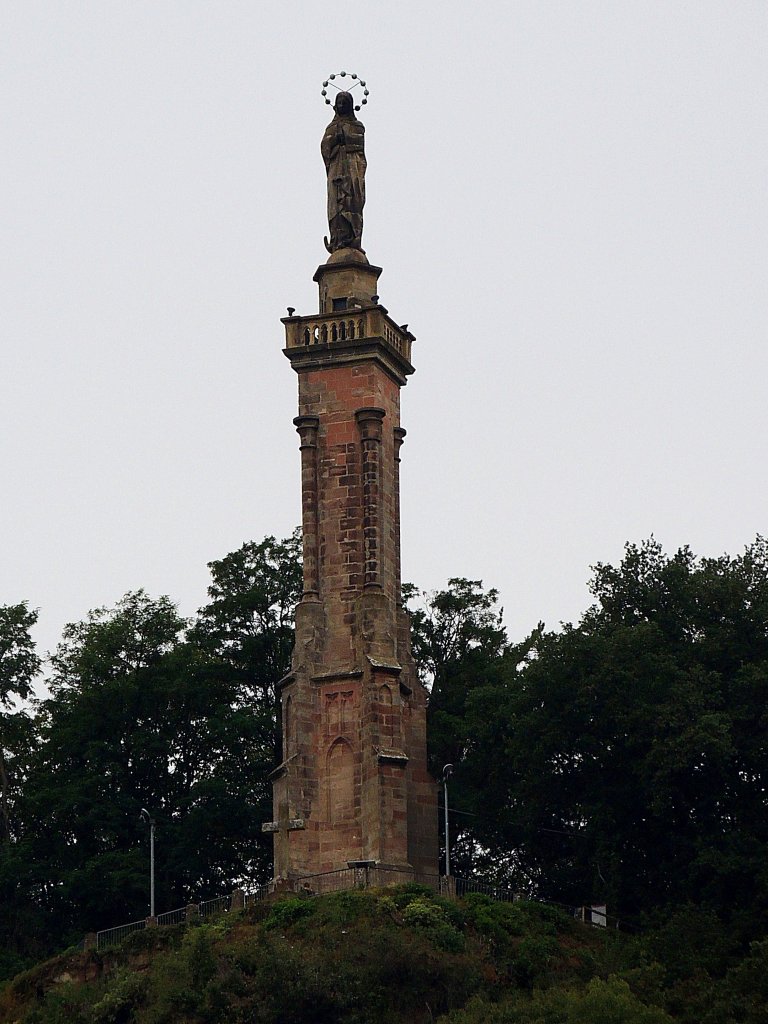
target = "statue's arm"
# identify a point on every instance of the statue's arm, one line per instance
(327, 146)
(356, 138)
(335, 136)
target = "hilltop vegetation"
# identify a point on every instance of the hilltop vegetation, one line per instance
(398, 956)
(618, 760)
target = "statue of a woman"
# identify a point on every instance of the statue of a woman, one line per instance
(343, 150)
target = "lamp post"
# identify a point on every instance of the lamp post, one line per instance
(149, 820)
(447, 770)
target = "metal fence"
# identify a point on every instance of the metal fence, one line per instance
(222, 905)
(112, 936)
(173, 917)
(249, 898)
(468, 885)
(367, 876)
(362, 876)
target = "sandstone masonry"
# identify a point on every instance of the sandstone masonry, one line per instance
(353, 785)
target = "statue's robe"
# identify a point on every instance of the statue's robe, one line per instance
(343, 153)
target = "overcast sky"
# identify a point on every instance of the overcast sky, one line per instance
(569, 203)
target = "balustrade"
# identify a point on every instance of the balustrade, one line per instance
(306, 331)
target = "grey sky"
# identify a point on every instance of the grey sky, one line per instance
(569, 204)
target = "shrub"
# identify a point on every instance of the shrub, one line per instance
(287, 912)
(433, 921)
(124, 993)
(408, 891)
(603, 1002)
(533, 958)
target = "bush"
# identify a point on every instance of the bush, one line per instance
(532, 959)
(433, 921)
(287, 912)
(125, 992)
(408, 891)
(603, 1002)
(743, 994)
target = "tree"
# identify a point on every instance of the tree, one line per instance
(248, 623)
(458, 642)
(19, 664)
(148, 710)
(626, 755)
(140, 717)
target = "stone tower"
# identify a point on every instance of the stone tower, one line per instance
(353, 785)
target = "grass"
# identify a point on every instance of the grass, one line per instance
(400, 955)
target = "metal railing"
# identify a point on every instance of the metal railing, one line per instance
(329, 881)
(469, 885)
(364, 876)
(172, 917)
(112, 936)
(221, 905)
(249, 898)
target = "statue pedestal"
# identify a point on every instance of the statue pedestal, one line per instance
(346, 281)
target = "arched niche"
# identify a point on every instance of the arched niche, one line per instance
(341, 781)
(288, 727)
(386, 714)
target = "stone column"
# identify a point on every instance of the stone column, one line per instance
(306, 427)
(399, 438)
(369, 424)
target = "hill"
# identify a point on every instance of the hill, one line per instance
(400, 956)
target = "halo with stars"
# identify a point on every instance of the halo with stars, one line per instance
(329, 83)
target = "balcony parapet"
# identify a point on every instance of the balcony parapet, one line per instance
(349, 329)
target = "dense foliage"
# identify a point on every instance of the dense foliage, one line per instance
(397, 956)
(145, 710)
(619, 760)
(623, 759)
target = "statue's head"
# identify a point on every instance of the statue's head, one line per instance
(344, 105)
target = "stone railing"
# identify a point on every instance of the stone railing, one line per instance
(351, 325)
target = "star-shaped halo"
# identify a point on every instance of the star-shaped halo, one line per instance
(329, 83)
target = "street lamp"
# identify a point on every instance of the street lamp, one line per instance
(149, 820)
(447, 771)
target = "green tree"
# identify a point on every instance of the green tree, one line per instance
(19, 664)
(148, 710)
(247, 625)
(625, 756)
(140, 717)
(458, 642)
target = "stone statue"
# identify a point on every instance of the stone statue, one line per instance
(343, 150)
